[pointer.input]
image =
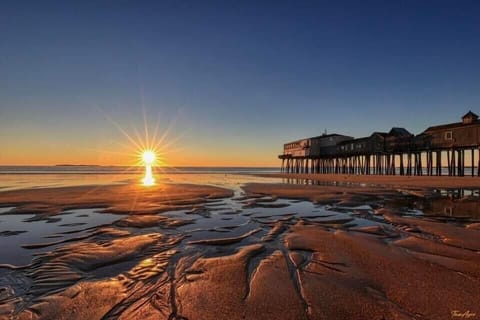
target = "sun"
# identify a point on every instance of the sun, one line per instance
(148, 151)
(148, 157)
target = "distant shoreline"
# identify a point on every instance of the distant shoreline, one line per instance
(76, 165)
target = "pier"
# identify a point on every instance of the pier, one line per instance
(440, 150)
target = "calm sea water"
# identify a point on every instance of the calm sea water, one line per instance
(127, 169)
(19, 177)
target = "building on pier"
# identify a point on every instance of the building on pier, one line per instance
(398, 140)
(298, 148)
(297, 154)
(379, 153)
(323, 145)
(373, 144)
(464, 134)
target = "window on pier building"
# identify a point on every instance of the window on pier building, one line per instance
(448, 135)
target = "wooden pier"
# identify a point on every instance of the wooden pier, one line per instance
(439, 150)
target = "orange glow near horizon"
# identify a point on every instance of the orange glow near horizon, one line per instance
(107, 148)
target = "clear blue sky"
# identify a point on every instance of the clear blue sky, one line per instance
(239, 77)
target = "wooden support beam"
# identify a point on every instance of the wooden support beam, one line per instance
(472, 161)
(478, 164)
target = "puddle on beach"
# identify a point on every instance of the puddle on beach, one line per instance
(456, 205)
(20, 230)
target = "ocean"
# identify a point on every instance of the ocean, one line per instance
(19, 177)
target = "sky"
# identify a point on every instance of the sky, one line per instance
(226, 82)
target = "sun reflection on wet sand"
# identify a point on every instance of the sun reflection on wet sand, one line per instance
(148, 158)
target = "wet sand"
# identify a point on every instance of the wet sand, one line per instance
(203, 252)
(390, 181)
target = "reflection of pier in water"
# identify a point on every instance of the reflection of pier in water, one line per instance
(455, 203)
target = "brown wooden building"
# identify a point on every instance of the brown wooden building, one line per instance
(299, 155)
(464, 134)
(379, 153)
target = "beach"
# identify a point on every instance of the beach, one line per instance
(230, 246)
(425, 182)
